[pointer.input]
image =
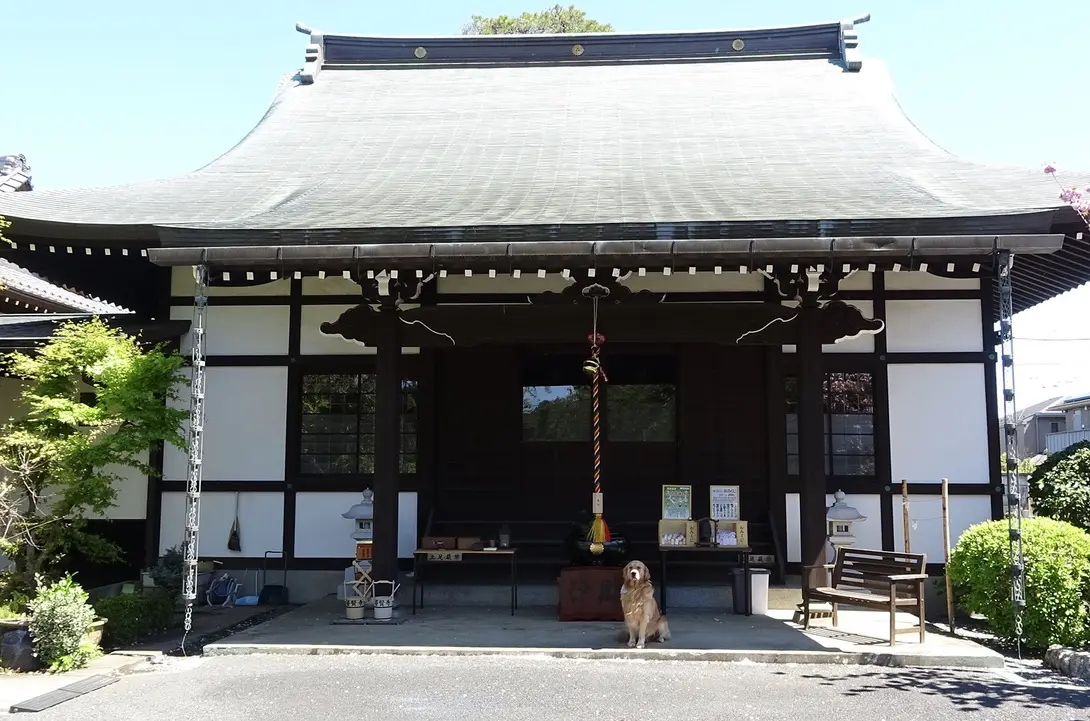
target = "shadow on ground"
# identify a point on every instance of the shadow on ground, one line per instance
(965, 692)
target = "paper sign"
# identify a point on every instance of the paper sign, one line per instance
(724, 503)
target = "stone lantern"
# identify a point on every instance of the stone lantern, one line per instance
(363, 513)
(358, 585)
(840, 517)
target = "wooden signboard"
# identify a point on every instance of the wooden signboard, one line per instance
(725, 504)
(677, 503)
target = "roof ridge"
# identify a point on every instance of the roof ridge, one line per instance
(835, 41)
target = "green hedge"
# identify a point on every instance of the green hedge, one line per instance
(1057, 572)
(1060, 487)
(135, 616)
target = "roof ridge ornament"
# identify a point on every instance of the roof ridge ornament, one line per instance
(315, 54)
(849, 43)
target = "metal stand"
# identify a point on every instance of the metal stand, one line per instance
(1014, 498)
(196, 444)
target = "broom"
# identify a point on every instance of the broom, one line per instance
(234, 539)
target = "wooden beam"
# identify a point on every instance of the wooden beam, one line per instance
(756, 323)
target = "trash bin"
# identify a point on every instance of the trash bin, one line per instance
(759, 583)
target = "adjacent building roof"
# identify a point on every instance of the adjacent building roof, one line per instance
(30, 290)
(24, 331)
(763, 128)
(25, 289)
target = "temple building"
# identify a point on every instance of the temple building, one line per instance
(405, 259)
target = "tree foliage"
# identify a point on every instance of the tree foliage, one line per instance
(1057, 576)
(557, 19)
(1060, 487)
(95, 401)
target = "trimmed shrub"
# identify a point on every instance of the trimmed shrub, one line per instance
(129, 618)
(1060, 487)
(1057, 559)
(60, 619)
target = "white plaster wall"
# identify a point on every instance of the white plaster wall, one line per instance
(181, 284)
(859, 280)
(312, 341)
(933, 326)
(915, 280)
(527, 283)
(261, 523)
(245, 416)
(321, 532)
(862, 344)
(938, 423)
(132, 493)
(681, 281)
(925, 522)
(11, 407)
(330, 285)
(240, 329)
(868, 533)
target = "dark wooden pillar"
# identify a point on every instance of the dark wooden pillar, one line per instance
(811, 438)
(387, 444)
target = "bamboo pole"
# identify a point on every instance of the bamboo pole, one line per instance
(946, 549)
(904, 512)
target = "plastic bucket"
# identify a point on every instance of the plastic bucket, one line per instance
(384, 605)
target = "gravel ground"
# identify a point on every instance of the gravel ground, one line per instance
(535, 689)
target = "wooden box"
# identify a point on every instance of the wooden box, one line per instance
(470, 543)
(740, 528)
(590, 593)
(687, 528)
(436, 542)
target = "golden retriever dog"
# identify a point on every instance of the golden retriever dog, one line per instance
(641, 611)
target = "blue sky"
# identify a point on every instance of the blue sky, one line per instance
(123, 90)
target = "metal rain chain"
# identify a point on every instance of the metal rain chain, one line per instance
(196, 445)
(1015, 500)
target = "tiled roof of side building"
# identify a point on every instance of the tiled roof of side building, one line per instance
(15, 280)
(785, 124)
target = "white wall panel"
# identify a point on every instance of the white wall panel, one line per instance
(925, 525)
(933, 326)
(915, 280)
(321, 532)
(312, 341)
(938, 423)
(181, 284)
(330, 285)
(862, 344)
(868, 533)
(245, 414)
(132, 493)
(858, 280)
(240, 329)
(680, 281)
(261, 523)
(11, 406)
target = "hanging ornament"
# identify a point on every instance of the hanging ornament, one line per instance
(599, 532)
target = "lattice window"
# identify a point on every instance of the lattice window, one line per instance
(848, 409)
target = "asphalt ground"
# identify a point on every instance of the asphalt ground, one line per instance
(421, 688)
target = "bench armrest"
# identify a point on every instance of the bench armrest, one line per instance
(826, 566)
(907, 577)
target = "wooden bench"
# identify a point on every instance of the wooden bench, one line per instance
(886, 580)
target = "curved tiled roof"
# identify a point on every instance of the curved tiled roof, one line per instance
(14, 278)
(529, 131)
